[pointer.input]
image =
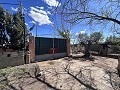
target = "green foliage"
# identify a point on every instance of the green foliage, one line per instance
(95, 37)
(11, 72)
(83, 38)
(113, 40)
(16, 34)
(12, 27)
(3, 36)
(64, 34)
(2, 16)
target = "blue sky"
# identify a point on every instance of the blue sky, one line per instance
(40, 13)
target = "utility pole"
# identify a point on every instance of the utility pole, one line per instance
(36, 29)
(24, 30)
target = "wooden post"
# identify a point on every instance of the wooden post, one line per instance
(27, 57)
(118, 67)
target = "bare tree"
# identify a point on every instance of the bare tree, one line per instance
(92, 12)
(86, 41)
(64, 33)
(103, 13)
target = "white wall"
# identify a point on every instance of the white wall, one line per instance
(49, 56)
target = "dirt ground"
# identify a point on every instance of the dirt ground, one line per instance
(63, 74)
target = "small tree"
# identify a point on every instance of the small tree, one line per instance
(86, 41)
(15, 26)
(97, 37)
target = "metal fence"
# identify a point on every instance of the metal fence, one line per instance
(45, 45)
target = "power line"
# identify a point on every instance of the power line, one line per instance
(46, 34)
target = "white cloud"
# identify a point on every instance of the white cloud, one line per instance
(53, 3)
(73, 41)
(76, 34)
(25, 9)
(70, 31)
(32, 22)
(49, 7)
(40, 16)
(14, 9)
(26, 24)
(82, 32)
(39, 7)
(48, 12)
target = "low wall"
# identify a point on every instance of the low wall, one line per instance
(110, 49)
(11, 59)
(49, 56)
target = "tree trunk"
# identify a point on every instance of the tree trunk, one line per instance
(87, 51)
(118, 68)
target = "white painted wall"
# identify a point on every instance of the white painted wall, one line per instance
(49, 56)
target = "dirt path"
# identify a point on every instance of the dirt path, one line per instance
(64, 74)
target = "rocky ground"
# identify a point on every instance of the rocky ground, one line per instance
(63, 74)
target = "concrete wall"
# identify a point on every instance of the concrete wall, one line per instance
(49, 56)
(11, 59)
